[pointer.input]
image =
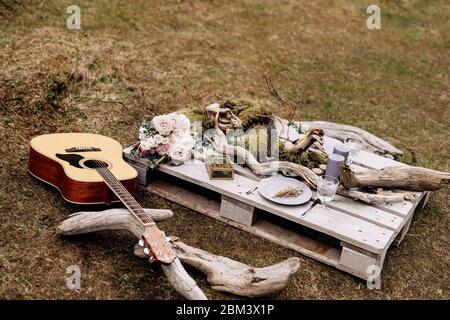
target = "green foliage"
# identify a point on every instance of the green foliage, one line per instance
(125, 281)
(197, 115)
(154, 161)
(250, 112)
(309, 158)
(327, 106)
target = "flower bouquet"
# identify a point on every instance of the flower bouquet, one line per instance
(166, 138)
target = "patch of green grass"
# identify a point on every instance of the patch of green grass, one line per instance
(125, 281)
(396, 19)
(38, 229)
(383, 63)
(167, 291)
(22, 227)
(327, 106)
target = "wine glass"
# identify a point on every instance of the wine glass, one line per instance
(326, 189)
(355, 146)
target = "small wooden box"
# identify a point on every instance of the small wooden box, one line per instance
(219, 167)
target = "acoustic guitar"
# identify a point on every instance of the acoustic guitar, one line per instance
(89, 169)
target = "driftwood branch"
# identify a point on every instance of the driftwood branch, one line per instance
(399, 177)
(121, 219)
(312, 137)
(225, 274)
(222, 273)
(219, 142)
(224, 117)
(371, 142)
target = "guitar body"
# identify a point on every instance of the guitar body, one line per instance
(67, 161)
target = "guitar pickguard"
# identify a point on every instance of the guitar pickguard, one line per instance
(72, 159)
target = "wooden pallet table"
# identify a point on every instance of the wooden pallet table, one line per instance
(348, 234)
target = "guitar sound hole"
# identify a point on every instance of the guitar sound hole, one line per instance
(93, 164)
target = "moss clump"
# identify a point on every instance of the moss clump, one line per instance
(197, 115)
(250, 112)
(309, 158)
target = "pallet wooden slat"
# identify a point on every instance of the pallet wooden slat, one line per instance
(331, 221)
(379, 216)
(363, 232)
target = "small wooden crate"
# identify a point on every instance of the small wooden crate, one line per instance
(219, 167)
(349, 235)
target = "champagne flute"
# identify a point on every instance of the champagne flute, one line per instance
(326, 189)
(355, 146)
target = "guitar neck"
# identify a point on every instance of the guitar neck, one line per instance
(154, 238)
(127, 199)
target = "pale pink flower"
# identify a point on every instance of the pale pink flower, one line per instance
(175, 136)
(158, 139)
(148, 144)
(180, 121)
(187, 141)
(178, 155)
(183, 123)
(163, 124)
(163, 149)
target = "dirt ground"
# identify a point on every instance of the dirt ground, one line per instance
(136, 58)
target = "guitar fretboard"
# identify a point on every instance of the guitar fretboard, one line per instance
(122, 193)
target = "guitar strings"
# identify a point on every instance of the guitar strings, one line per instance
(141, 214)
(105, 173)
(124, 195)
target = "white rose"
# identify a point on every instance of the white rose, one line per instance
(158, 139)
(183, 123)
(163, 124)
(143, 133)
(175, 137)
(187, 141)
(179, 155)
(180, 121)
(148, 144)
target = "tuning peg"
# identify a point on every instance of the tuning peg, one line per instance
(141, 243)
(151, 259)
(146, 251)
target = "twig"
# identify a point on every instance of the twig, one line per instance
(289, 106)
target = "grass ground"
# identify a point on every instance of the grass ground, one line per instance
(136, 58)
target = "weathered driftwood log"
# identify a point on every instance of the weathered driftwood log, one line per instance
(121, 219)
(224, 117)
(223, 273)
(219, 142)
(341, 131)
(313, 136)
(398, 177)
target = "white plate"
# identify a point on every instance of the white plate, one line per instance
(270, 186)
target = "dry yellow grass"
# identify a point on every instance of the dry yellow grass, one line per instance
(133, 58)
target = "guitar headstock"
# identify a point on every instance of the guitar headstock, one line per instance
(159, 246)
